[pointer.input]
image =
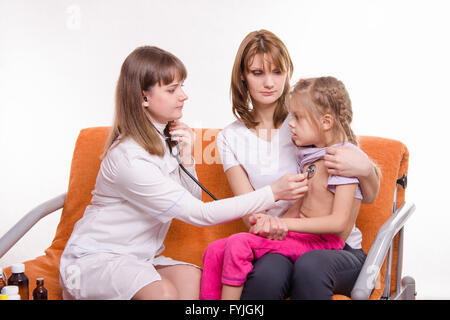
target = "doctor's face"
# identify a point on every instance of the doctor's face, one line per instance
(165, 102)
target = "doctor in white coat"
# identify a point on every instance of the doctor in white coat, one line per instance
(115, 249)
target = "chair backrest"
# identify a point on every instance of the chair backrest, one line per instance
(83, 174)
(187, 243)
(392, 157)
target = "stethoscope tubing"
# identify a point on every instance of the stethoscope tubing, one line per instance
(177, 156)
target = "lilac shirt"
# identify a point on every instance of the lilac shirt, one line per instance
(307, 155)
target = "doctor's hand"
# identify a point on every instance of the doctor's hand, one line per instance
(290, 187)
(184, 135)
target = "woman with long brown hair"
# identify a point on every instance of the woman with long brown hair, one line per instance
(114, 251)
(257, 149)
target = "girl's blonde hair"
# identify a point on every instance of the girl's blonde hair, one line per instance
(141, 70)
(259, 42)
(328, 96)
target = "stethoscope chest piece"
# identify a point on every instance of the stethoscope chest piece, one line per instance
(310, 171)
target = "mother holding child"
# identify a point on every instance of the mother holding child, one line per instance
(116, 245)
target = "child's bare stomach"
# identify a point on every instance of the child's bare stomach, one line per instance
(318, 202)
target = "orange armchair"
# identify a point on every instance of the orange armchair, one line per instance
(381, 222)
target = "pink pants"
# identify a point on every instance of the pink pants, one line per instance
(229, 260)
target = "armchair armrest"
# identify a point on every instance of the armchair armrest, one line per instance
(28, 221)
(377, 253)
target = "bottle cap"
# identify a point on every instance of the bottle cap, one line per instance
(18, 268)
(10, 290)
(3, 297)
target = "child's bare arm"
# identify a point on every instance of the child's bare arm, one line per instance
(268, 226)
(273, 227)
(337, 222)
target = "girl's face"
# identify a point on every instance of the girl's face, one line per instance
(304, 131)
(165, 102)
(265, 81)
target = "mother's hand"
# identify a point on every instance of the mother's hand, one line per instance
(347, 161)
(350, 162)
(268, 226)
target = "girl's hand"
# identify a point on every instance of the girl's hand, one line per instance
(268, 226)
(184, 135)
(347, 161)
(290, 187)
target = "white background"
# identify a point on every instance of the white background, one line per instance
(60, 60)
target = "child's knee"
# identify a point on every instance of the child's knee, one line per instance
(244, 240)
(214, 250)
(238, 238)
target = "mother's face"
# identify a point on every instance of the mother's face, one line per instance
(265, 81)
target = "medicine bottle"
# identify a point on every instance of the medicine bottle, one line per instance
(40, 293)
(18, 278)
(12, 292)
(3, 280)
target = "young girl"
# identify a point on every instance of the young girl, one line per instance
(323, 218)
(256, 149)
(114, 251)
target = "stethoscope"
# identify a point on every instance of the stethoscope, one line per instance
(176, 154)
(310, 171)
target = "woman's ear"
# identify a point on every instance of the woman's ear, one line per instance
(327, 122)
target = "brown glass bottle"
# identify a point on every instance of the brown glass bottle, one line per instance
(18, 278)
(3, 280)
(40, 293)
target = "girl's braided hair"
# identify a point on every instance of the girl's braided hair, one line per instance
(329, 95)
